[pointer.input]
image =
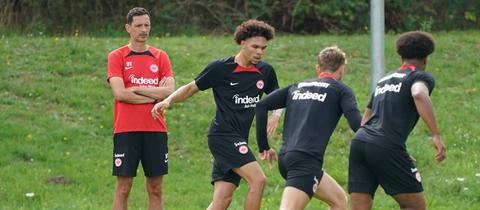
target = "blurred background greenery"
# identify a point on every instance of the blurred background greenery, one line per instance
(194, 17)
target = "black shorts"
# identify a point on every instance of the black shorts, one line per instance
(301, 171)
(130, 148)
(229, 152)
(371, 165)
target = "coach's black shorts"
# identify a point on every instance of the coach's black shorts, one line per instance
(371, 165)
(301, 171)
(150, 148)
(229, 152)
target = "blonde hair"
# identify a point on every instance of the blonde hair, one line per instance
(331, 58)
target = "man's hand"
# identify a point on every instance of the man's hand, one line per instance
(269, 155)
(272, 124)
(159, 107)
(440, 147)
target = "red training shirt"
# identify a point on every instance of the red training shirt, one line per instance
(142, 69)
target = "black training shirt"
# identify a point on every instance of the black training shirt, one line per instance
(312, 111)
(394, 114)
(236, 90)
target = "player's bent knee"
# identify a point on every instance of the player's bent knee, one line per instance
(258, 182)
(340, 204)
(339, 201)
(261, 180)
(223, 200)
(336, 200)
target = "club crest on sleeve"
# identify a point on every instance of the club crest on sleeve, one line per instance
(243, 149)
(260, 84)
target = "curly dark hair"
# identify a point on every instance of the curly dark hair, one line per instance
(415, 45)
(252, 28)
(136, 11)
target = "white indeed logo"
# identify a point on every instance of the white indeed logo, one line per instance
(388, 87)
(143, 81)
(297, 95)
(247, 100)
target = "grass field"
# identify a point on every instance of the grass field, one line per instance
(56, 112)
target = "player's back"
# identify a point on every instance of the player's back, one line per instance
(313, 109)
(394, 114)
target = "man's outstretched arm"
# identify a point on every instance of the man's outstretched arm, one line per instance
(181, 94)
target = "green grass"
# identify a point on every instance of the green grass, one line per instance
(56, 113)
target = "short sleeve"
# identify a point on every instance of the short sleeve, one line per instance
(165, 65)
(211, 76)
(272, 82)
(425, 77)
(115, 65)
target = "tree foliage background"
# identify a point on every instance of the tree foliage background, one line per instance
(106, 17)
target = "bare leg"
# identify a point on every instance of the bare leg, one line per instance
(410, 201)
(293, 199)
(360, 201)
(331, 193)
(222, 195)
(154, 188)
(253, 174)
(122, 190)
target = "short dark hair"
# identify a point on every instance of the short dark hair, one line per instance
(415, 45)
(136, 11)
(252, 28)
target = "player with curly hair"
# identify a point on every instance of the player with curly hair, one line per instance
(378, 154)
(238, 82)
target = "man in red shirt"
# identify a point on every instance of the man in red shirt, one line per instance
(139, 75)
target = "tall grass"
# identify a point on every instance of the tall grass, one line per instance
(56, 113)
